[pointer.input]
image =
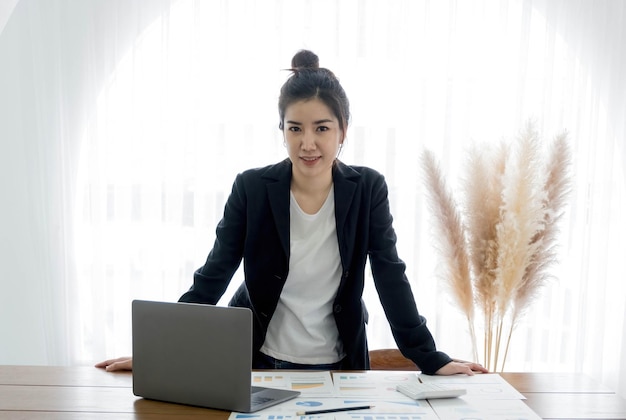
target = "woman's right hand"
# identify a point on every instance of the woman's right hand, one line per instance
(112, 365)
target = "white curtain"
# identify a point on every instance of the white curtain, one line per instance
(123, 124)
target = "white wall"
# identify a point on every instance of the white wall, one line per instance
(51, 63)
(6, 8)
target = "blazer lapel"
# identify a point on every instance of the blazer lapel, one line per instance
(278, 195)
(345, 187)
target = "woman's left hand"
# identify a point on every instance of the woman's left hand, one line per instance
(462, 367)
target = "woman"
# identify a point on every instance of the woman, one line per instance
(304, 228)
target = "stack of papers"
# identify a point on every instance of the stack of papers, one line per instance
(488, 397)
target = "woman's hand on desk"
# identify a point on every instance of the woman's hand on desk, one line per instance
(121, 363)
(461, 366)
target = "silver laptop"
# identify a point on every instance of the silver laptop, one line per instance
(197, 355)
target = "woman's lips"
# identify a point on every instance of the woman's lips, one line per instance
(310, 160)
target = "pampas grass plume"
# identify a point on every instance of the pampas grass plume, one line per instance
(496, 251)
(451, 239)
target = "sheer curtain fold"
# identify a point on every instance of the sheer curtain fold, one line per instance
(123, 124)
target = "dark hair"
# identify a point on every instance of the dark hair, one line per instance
(309, 81)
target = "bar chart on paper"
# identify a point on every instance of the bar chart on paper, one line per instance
(318, 384)
(378, 384)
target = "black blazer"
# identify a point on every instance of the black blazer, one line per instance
(255, 227)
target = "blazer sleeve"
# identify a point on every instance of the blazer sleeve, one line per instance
(211, 280)
(408, 327)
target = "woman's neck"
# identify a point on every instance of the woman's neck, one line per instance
(311, 193)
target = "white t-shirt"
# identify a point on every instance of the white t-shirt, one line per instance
(303, 329)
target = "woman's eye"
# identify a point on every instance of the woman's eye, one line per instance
(322, 128)
(294, 128)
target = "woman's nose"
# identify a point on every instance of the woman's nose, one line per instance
(308, 141)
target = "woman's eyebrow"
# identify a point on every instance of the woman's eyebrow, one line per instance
(322, 121)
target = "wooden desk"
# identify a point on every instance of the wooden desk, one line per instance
(567, 396)
(47, 392)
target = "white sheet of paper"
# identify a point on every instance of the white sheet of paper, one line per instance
(482, 409)
(379, 406)
(313, 383)
(430, 415)
(372, 384)
(486, 385)
(382, 410)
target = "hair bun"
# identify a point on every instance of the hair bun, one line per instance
(305, 59)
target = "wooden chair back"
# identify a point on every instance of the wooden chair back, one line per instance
(390, 359)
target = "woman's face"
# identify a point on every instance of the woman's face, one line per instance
(313, 136)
